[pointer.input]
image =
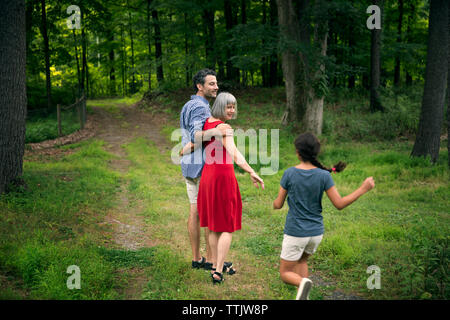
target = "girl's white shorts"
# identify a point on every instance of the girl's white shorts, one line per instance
(293, 247)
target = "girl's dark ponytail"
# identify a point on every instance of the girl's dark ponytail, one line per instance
(308, 147)
(338, 167)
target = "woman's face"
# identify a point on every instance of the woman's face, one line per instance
(230, 109)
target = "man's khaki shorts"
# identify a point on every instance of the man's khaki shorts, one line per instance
(293, 247)
(192, 189)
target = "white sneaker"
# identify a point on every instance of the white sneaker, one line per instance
(303, 289)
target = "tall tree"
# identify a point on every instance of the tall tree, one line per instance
(230, 21)
(133, 70)
(448, 89)
(375, 64)
(399, 40)
(13, 100)
(77, 60)
(408, 38)
(303, 61)
(433, 101)
(316, 82)
(44, 33)
(84, 70)
(273, 60)
(149, 37)
(290, 37)
(210, 35)
(158, 47)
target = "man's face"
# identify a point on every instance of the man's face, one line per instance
(209, 88)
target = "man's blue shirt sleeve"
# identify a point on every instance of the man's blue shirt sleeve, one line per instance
(198, 118)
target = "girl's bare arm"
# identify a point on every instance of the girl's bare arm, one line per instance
(279, 201)
(342, 202)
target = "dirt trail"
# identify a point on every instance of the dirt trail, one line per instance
(129, 228)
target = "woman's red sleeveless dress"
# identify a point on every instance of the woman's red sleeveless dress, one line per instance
(219, 201)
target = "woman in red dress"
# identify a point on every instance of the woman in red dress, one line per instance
(219, 200)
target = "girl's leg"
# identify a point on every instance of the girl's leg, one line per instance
(302, 266)
(288, 272)
(223, 246)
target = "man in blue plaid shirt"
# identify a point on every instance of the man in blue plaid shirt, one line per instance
(193, 116)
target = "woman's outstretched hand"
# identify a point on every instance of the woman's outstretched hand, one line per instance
(256, 179)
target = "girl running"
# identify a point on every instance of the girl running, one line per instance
(304, 185)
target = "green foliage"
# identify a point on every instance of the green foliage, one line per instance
(349, 118)
(46, 127)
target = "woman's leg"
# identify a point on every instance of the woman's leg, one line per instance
(213, 240)
(223, 246)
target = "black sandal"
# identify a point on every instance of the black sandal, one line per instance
(214, 280)
(198, 264)
(227, 268)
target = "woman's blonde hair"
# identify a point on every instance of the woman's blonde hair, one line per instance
(223, 99)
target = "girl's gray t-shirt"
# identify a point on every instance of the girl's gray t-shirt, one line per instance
(305, 190)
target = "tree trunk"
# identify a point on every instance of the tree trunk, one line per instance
(158, 48)
(433, 101)
(149, 37)
(88, 84)
(124, 60)
(83, 54)
(47, 56)
(399, 40)
(112, 71)
(351, 44)
(210, 38)
(290, 33)
(264, 64)
(273, 60)
(408, 77)
(186, 51)
(314, 105)
(448, 88)
(230, 22)
(78, 62)
(375, 65)
(13, 100)
(133, 77)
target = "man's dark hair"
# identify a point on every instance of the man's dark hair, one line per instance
(199, 78)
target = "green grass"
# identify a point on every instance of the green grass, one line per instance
(52, 224)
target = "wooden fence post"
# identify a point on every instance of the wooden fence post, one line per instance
(58, 115)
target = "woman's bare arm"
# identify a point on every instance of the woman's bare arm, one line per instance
(238, 158)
